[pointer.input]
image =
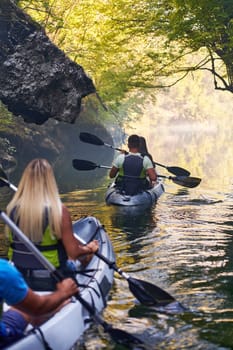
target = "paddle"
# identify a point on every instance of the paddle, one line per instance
(4, 181)
(118, 335)
(94, 140)
(185, 181)
(145, 292)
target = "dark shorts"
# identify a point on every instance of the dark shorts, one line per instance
(15, 325)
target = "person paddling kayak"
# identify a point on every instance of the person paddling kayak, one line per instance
(37, 209)
(132, 169)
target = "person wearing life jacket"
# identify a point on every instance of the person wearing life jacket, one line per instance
(26, 306)
(37, 209)
(132, 169)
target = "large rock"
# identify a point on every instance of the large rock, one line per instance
(37, 80)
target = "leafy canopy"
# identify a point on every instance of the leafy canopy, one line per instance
(127, 46)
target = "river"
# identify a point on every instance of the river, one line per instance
(183, 245)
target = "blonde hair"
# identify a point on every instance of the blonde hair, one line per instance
(37, 191)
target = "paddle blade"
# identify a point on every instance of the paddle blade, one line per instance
(89, 138)
(123, 338)
(178, 171)
(149, 294)
(186, 181)
(81, 164)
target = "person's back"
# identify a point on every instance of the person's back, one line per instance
(132, 168)
(37, 209)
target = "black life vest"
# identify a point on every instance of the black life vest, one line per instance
(132, 176)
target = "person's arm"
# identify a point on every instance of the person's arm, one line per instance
(113, 172)
(150, 170)
(73, 247)
(117, 164)
(152, 174)
(37, 305)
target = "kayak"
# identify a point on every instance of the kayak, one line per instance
(65, 328)
(147, 198)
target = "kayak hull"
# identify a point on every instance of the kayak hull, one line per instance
(66, 327)
(146, 198)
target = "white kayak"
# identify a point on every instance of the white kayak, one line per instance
(147, 198)
(66, 327)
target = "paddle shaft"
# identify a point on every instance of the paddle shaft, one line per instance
(123, 151)
(8, 183)
(103, 166)
(172, 169)
(115, 148)
(95, 140)
(147, 293)
(185, 181)
(111, 264)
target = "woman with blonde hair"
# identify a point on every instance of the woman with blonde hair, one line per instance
(38, 211)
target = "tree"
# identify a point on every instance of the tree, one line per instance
(200, 27)
(127, 46)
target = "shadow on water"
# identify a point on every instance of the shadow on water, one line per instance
(133, 220)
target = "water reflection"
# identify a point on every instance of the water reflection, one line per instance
(133, 225)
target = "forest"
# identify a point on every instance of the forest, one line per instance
(133, 48)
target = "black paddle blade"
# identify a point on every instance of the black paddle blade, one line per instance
(186, 181)
(81, 164)
(149, 294)
(89, 138)
(123, 338)
(178, 171)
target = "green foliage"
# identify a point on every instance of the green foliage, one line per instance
(128, 46)
(6, 118)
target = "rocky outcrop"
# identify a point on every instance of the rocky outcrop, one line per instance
(37, 80)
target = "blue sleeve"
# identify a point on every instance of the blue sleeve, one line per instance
(13, 288)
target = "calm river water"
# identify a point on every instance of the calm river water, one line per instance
(183, 244)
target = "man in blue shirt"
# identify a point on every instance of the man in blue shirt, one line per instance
(26, 305)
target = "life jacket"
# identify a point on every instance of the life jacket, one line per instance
(132, 176)
(52, 249)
